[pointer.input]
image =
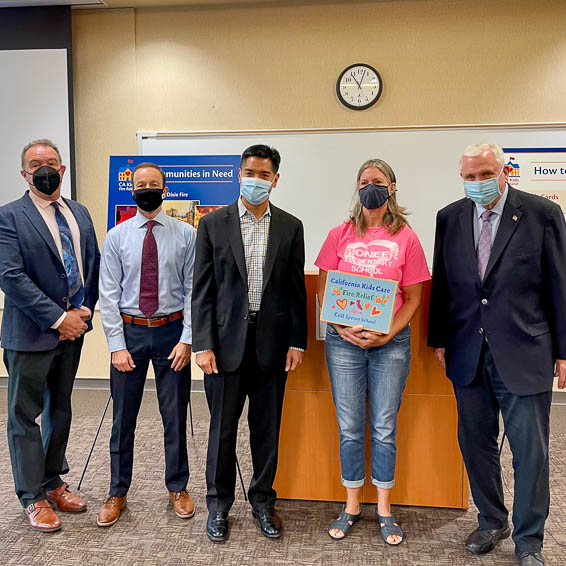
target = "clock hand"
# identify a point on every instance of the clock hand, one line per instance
(353, 76)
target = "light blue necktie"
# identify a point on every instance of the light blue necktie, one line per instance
(76, 289)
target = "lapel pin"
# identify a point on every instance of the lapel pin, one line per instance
(515, 218)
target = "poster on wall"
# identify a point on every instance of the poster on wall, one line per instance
(197, 185)
(540, 171)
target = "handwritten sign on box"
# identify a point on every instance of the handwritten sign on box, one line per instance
(353, 300)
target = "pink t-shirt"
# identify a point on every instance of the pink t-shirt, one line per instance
(378, 254)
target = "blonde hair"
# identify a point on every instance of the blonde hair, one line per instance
(395, 217)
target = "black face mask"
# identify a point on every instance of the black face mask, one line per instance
(148, 199)
(46, 180)
(374, 196)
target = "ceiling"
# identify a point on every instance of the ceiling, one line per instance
(24, 3)
(132, 3)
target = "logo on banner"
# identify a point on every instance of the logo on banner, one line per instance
(125, 176)
(514, 173)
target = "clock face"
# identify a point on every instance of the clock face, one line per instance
(359, 86)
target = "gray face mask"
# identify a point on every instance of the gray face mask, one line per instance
(374, 196)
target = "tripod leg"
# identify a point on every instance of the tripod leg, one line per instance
(94, 441)
(191, 415)
(241, 479)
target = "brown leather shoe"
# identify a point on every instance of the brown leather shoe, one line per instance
(64, 500)
(42, 517)
(183, 505)
(111, 510)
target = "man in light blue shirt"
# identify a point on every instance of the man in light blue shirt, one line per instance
(146, 281)
(494, 220)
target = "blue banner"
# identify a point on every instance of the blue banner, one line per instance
(198, 184)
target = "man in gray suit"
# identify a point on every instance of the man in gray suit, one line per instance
(49, 274)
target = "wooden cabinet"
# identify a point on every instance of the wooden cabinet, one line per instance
(430, 470)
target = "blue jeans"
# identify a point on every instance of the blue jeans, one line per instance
(379, 373)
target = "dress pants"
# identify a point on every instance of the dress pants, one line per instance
(226, 394)
(40, 383)
(526, 421)
(173, 390)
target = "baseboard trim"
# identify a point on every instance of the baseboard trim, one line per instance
(103, 384)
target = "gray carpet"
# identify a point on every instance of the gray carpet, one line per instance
(150, 533)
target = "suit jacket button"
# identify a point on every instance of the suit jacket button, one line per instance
(62, 276)
(484, 301)
(480, 331)
(65, 299)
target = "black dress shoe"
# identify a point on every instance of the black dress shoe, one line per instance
(269, 522)
(530, 559)
(484, 540)
(217, 526)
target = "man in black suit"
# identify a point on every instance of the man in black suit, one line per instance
(249, 330)
(49, 263)
(497, 322)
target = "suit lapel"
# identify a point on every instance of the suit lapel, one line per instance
(82, 233)
(510, 219)
(235, 238)
(467, 230)
(36, 220)
(272, 244)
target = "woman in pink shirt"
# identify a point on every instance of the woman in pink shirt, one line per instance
(376, 241)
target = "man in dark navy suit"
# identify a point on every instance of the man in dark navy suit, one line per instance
(250, 328)
(497, 322)
(49, 274)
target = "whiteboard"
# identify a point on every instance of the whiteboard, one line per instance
(318, 168)
(34, 103)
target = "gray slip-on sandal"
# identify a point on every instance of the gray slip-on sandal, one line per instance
(388, 527)
(343, 523)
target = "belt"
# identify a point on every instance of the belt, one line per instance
(151, 322)
(252, 317)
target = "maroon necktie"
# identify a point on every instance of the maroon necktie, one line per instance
(149, 300)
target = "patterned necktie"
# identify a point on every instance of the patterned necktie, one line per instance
(484, 243)
(149, 300)
(76, 290)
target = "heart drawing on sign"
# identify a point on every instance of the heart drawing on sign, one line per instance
(367, 306)
(375, 311)
(342, 303)
(333, 306)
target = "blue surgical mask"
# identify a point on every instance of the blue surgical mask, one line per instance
(483, 192)
(255, 191)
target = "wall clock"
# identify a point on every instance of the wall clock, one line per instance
(359, 86)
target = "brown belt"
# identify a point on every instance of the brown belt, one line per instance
(151, 322)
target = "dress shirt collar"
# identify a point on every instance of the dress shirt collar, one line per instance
(141, 220)
(242, 209)
(44, 203)
(497, 209)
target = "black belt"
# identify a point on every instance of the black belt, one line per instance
(252, 317)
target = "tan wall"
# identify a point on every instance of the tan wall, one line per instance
(442, 62)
